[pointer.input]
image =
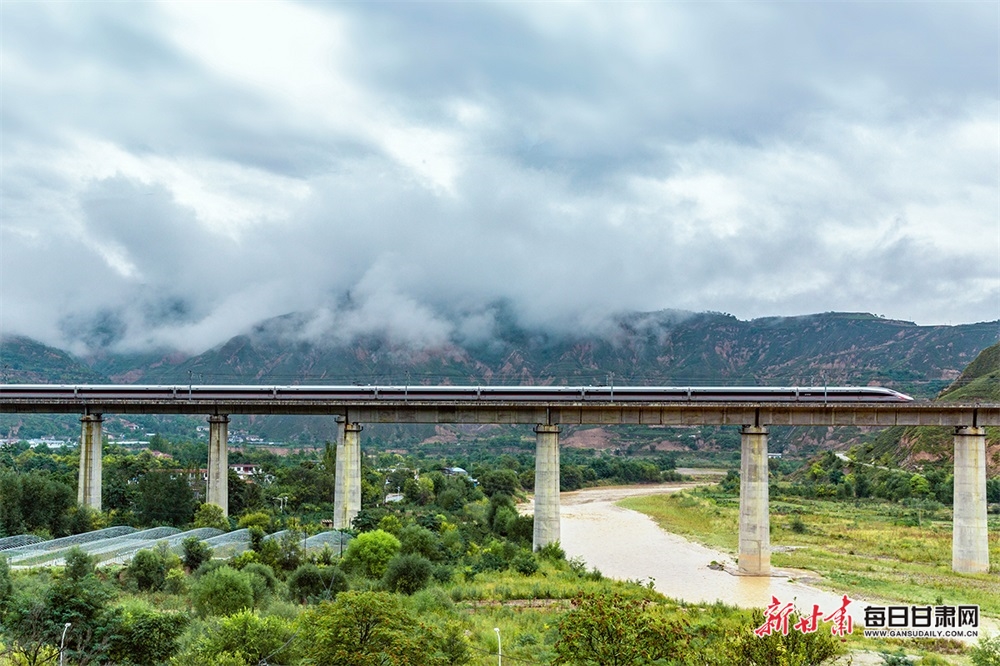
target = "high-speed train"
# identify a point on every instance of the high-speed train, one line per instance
(516, 394)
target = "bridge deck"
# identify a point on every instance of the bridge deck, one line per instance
(518, 405)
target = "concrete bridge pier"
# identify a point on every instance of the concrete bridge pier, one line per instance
(89, 487)
(970, 551)
(218, 462)
(347, 475)
(755, 522)
(546, 486)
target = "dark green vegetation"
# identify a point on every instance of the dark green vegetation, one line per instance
(438, 571)
(914, 447)
(424, 582)
(979, 381)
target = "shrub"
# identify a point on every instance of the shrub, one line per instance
(5, 585)
(986, 652)
(262, 580)
(611, 629)
(310, 583)
(407, 573)
(419, 541)
(139, 634)
(290, 550)
(797, 525)
(148, 570)
(490, 561)
(369, 553)
(245, 558)
(175, 583)
(526, 564)
(777, 649)
(443, 573)
(243, 639)
(208, 567)
(211, 515)
(552, 552)
(196, 553)
(223, 591)
(305, 583)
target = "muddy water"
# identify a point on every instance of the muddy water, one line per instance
(625, 544)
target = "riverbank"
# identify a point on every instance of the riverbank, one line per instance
(626, 544)
(878, 550)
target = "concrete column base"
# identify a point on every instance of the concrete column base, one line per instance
(546, 528)
(89, 488)
(755, 522)
(347, 475)
(218, 462)
(970, 548)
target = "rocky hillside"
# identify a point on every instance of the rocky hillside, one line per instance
(25, 361)
(979, 381)
(914, 447)
(651, 348)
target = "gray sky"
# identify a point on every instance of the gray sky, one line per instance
(174, 172)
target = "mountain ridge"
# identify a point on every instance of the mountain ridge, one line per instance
(643, 348)
(667, 347)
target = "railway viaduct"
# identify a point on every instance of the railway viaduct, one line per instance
(754, 409)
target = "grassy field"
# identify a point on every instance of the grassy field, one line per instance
(882, 549)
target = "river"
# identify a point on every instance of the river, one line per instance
(626, 544)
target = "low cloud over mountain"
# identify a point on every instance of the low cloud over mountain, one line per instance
(176, 172)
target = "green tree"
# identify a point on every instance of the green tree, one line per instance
(26, 625)
(34, 501)
(369, 553)
(420, 540)
(243, 639)
(611, 630)
(919, 486)
(211, 515)
(407, 573)
(305, 583)
(223, 591)
(262, 580)
(258, 519)
(6, 588)
(139, 634)
(196, 553)
(149, 570)
(776, 649)
(499, 481)
(365, 629)
(419, 491)
(164, 499)
(79, 598)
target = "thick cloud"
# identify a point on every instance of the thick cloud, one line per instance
(174, 173)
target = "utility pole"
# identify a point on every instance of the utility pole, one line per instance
(62, 644)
